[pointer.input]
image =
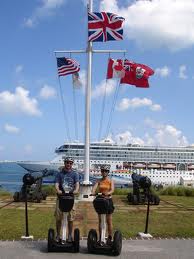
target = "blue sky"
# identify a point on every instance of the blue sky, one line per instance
(158, 33)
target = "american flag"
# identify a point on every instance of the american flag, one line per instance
(104, 27)
(67, 66)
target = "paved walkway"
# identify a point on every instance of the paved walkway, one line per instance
(135, 249)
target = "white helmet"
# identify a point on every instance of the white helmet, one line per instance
(68, 159)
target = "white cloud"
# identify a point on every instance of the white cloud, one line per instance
(169, 135)
(47, 8)
(109, 5)
(47, 92)
(11, 129)
(163, 72)
(182, 71)
(18, 103)
(134, 103)
(156, 23)
(19, 68)
(161, 135)
(166, 135)
(155, 107)
(127, 138)
(107, 86)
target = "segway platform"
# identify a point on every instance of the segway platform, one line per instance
(63, 246)
(99, 247)
(66, 202)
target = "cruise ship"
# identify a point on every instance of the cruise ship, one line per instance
(164, 165)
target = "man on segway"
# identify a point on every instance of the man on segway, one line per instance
(66, 180)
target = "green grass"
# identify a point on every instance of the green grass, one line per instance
(4, 193)
(12, 223)
(165, 220)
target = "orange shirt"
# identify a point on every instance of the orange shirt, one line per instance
(104, 185)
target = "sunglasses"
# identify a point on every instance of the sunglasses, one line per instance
(70, 163)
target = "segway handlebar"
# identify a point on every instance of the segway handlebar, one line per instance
(66, 193)
(100, 194)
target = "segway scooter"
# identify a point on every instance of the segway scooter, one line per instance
(66, 201)
(100, 247)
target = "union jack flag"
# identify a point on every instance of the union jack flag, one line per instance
(67, 66)
(104, 27)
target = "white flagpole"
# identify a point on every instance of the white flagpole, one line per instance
(87, 108)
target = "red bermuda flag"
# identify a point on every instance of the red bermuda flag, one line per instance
(115, 68)
(136, 74)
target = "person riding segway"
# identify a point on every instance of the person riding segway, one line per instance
(66, 185)
(103, 205)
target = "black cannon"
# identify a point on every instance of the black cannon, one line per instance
(32, 187)
(142, 191)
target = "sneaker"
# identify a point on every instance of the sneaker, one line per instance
(62, 242)
(70, 239)
(58, 239)
(100, 243)
(109, 240)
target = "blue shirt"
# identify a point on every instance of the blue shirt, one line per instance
(67, 180)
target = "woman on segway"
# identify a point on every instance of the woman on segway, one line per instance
(105, 186)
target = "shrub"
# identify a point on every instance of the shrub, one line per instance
(180, 191)
(121, 191)
(177, 191)
(172, 191)
(188, 191)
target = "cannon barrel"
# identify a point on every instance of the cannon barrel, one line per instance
(29, 179)
(144, 182)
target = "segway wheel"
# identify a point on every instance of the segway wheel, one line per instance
(76, 240)
(117, 243)
(92, 240)
(51, 236)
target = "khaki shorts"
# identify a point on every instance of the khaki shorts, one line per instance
(59, 214)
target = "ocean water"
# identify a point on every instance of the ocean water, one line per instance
(11, 176)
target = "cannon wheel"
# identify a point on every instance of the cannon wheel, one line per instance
(16, 196)
(117, 243)
(38, 197)
(92, 239)
(129, 197)
(76, 240)
(156, 200)
(134, 200)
